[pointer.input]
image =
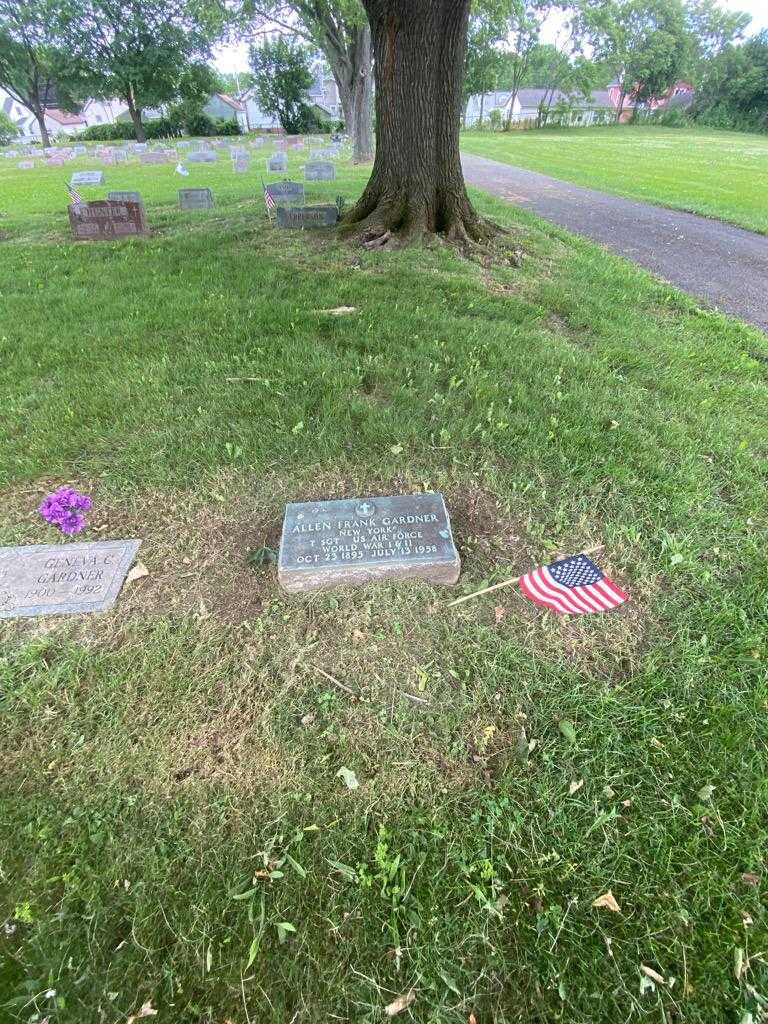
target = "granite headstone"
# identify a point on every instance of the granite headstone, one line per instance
(87, 178)
(105, 220)
(59, 579)
(195, 199)
(329, 543)
(319, 170)
(307, 216)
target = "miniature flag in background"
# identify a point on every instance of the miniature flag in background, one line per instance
(181, 169)
(74, 196)
(573, 585)
(269, 201)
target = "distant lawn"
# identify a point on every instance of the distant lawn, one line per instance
(718, 174)
(173, 830)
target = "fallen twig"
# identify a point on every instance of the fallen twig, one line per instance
(412, 696)
(332, 679)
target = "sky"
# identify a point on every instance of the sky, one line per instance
(235, 56)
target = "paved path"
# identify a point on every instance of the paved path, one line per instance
(725, 265)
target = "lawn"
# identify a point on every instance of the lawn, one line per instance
(715, 173)
(174, 830)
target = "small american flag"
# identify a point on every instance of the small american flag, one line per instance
(269, 201)
(74, 196)
(572, 585)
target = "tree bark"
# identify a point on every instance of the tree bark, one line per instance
(45, 138)
(135, 112)
(351, 61)
(417, 186)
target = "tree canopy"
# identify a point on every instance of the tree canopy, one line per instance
(282, 76)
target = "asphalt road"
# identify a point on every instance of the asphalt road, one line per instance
(724, 265)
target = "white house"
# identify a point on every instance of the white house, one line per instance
(529, 102)
(224, 107)
(103, 111)
(252, 118)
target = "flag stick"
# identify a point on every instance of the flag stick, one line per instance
(508, 583)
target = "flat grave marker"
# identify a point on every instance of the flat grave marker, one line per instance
(154, 157)
(202, 156)
(195, 199)
(87, 178)
(26, 165)
(319, 170)
(307, 216)
(105, 220)
(241, 164)
(329, 543)
(63, 579)
(79, 150)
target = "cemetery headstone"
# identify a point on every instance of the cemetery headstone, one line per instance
(26, 165)
(319, 170)
(307, 216)
(183, 144)
(120, 154)
(139, 147)
(278, 162)
(106, 220)
(79, 150)
(11, 154)
(87, 178)
(202, 156)
(154, 158)
(195, 199)
(125, 197)
(60, 579)
(241, 164)
(330, 543)
(286, 192)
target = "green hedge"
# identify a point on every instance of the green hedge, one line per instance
(161, 128)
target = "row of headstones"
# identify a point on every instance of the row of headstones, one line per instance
(316, 170)
(122, 214)
(395, 538)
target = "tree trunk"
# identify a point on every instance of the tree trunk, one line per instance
(135, 112)
(417, 186)
(352, 69)
(40, 118)
(622, 97)
(482, 107)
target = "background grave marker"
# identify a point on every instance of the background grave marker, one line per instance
(87, 178)
(319, 170)
(59, 579)
(195, 199)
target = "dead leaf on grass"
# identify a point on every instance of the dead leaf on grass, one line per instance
(750, 878)
(575, 787)
(607, 900)
(338, 310)
(500, 612)
(147, 1010)
(138, 572)
(348, 777)
(401, 1003)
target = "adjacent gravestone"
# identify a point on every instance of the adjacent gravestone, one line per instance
(79, 150)
(105, 220)
(61, 579)
(202, 156)
(241, 164)
(278, 162)
(125, 197)
(195, 199)
(286, 192)
(139, 147)
(87, 178)
(26, 165)
(259, 141)
(183, 144)
(319, 170)
(307, 216)
(154, 157)
(329, 543)
(120, 154)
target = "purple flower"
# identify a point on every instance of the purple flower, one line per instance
(64, 509)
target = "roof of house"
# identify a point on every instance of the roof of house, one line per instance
(235, 104)
(62, 117)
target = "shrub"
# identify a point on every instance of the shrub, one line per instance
(120, 130)
(495, 119)
(8, 130)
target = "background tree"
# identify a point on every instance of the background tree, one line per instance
(146, 53)
(282, 76)
(484, 59)
(340, 30)
(733, 91)
(417, 187)
(524, 21)
(8, 130)
(647, 42)
(232, 83)
(32, 63)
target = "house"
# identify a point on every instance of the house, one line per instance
(324, 94)
(223, 107)
(103, 111)
(528, 105)
(252, 118)
(22, 118)
(680, 94)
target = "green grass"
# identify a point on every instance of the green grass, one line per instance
(715, 173)
(169, 796)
